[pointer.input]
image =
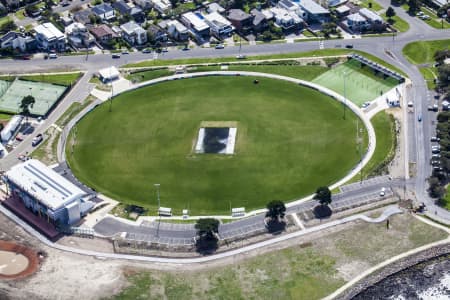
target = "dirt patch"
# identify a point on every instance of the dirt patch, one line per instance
(31, 255)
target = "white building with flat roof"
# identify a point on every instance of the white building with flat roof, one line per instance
(196, 23)
(219, 25)
(49, 37)
(47, 193)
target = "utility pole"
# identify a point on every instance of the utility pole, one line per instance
(157, 197)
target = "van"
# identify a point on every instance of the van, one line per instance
(52, 55)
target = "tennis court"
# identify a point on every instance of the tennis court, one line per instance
(361, 83)
(45, 95)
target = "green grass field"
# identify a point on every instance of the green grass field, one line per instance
(284, 148)
(398, 23)
(384, 126)
(361, 84)
(422, 52)
(61, 79)
(306, 271)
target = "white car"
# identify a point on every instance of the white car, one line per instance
(382, 192)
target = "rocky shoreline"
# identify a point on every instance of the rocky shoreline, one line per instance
(421, 270)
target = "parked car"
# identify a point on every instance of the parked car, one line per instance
(349, 46)
(241, 56)
(435, 150)
(52, 56)
(37, 140)
(19, 137)
(436, 156)
(116, 55)
(220, 46)
(125, 52)
(435, 139)
(147, 50)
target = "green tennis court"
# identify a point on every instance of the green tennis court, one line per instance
(45, 95)
(361, 83)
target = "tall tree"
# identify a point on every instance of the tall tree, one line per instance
(275, 210)
(413, 6)
(390, 12)
(25, 105)
(207, 229)
(323, 195)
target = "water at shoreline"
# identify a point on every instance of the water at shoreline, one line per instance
(427, 280)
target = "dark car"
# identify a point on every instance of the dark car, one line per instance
(116, 55)
(146, 50)
(37, 140)
(419, 118)
(349, 46)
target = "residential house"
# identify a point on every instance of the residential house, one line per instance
(335, 3)
(103, 34)
(314, 13)
(104, 11)
(133, 33)
(287, 20)
(356, 23)
(214, 7)
(124, 9)
(49, 37)
(18, 41)
(342, 11)
(144, 4)
(242, 21)
(12, 4)
(219, 26)
(162, 6)
(177, 31)
(260, 21)
(158, 35)
(66, 21)
(78, 35)
(82, 16)
(364, 20)
(196, 23)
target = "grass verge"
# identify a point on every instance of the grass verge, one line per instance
(65, 79)
(422, 52)
(429, 74)
(398, 23)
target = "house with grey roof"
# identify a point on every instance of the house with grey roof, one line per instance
(133, 33)
(104, 11)
(49, 37)
(313, 11)
(260, 21)
(177, 31)
(242, 21)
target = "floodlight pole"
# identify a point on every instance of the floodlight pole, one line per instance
(345, 92)
(157, 197)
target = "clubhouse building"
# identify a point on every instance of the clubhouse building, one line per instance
(51, 198)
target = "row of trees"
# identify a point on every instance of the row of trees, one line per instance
(208, 228)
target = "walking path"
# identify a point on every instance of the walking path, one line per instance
(387, 213)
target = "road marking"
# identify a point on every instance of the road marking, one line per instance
(297, 221)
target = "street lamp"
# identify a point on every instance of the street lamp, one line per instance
(345, 92)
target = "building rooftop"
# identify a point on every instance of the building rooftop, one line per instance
(49, 31)
(238, 15)
(131, 27)
(44, 184)
(178, 26)
(356, 17)
(370, 14)
(195, 20)
(102, 30)
(215, 7)
(312, 7)
(217, 19)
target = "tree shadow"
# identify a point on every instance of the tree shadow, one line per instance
(275, 226)
(322, 211)
(206, 245)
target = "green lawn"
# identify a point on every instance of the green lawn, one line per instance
(375, 5)
(398, 23)
(62, 79)
(307, 271)
(281, 149)
(384, 126)
(361, 84)
(445, 202)
(422, 52)
(4, 20)
(20, 14)
(148, 75)
(429, 74)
